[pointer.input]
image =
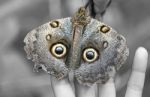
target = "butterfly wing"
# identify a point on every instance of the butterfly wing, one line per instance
(111, 50)
(39, 43)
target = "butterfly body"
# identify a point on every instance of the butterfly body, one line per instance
(81, 47)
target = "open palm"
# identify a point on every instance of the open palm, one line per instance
(63, 88)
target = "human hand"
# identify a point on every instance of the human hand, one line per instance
(63, 88)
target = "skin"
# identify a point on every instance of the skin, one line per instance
(135, 84)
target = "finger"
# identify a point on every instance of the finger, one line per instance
(136, 81)
(107, 89)
(85, 91)
(62, 88)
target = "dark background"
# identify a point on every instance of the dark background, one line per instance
(17, 17)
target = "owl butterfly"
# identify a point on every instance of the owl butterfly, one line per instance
(78, 47)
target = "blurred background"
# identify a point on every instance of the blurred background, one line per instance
(17, 17)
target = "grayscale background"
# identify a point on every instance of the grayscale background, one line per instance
(17, 17)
